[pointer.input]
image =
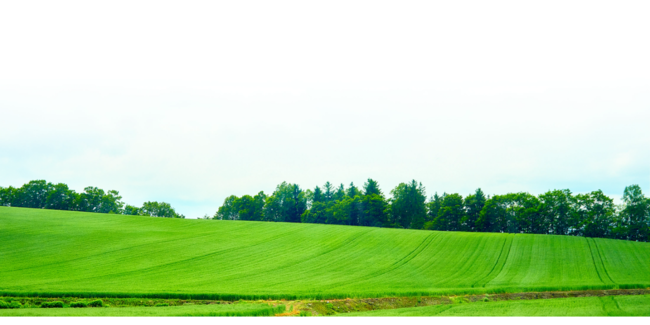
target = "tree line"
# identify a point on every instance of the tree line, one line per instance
(40, 194)
(557, 212)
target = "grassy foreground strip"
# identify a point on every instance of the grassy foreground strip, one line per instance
(242, 309)
(48, 253)
(343, 306)
(585, 306)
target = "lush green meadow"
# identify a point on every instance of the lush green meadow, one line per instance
(55, 253)
(588, 306)
(241, 309)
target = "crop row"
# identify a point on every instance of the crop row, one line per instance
(59, 253)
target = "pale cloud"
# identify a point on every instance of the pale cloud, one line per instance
(188, 103)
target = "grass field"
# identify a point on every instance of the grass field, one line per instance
(56, 253)
(588, 306)
(203, 310)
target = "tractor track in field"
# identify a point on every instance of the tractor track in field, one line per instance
(104, 253)
(408, 257)
(507, 244)
(177, 262)
(598, 262)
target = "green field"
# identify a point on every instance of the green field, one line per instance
(55, 253)
(204, 310)
(588, 306)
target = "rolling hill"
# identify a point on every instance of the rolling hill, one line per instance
(49, 252)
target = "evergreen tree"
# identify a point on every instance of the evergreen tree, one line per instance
(473, 205)
(636, 214)
(408, 207)
(450, 214)
(286, 204)
(339, 194)
(375, 207)
(492, 216)
(433, 206)
(371, 187)
(328, 192)
(317, 195)
(352, 191)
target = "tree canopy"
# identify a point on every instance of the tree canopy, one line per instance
(41, 194)
(558, 212)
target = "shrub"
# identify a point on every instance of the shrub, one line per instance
(3, 304)
(15, 305)
(96, 303)
(78, 304)
(52, 304)
(162, 305)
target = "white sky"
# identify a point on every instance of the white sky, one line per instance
(189, 102)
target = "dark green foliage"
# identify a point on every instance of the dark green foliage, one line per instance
(408, 208)
(346, 211)
(3, 304)
(162, 305)
(43, 195)
(352, 191)
(433, 207)
(52, 304)
(473, 205)
(595, 214)
(339, 194)
(635, 218)
(78, 304)
(14, 305)
(371, 187)
(159, 209)
(131, 210)
(245, 208)
(96, 303)
(556, 207)
(94, 199)
(375, 211)
(554, 212)
(318, 213)
(229, 209)
(60, 198)
(286, 204)
(524, 207)
(450, 214)
(317, 195)
(328, 192)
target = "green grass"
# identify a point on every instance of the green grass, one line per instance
(241, 309)
(589, 306)
(62, 253)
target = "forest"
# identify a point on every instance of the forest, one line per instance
(41, 194)
(557, 212)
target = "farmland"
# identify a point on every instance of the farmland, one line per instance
(587, 306)
(57, 253)
(242, 309)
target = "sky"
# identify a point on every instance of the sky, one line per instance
(189, 102)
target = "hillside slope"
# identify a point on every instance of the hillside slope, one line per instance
(55, 252)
